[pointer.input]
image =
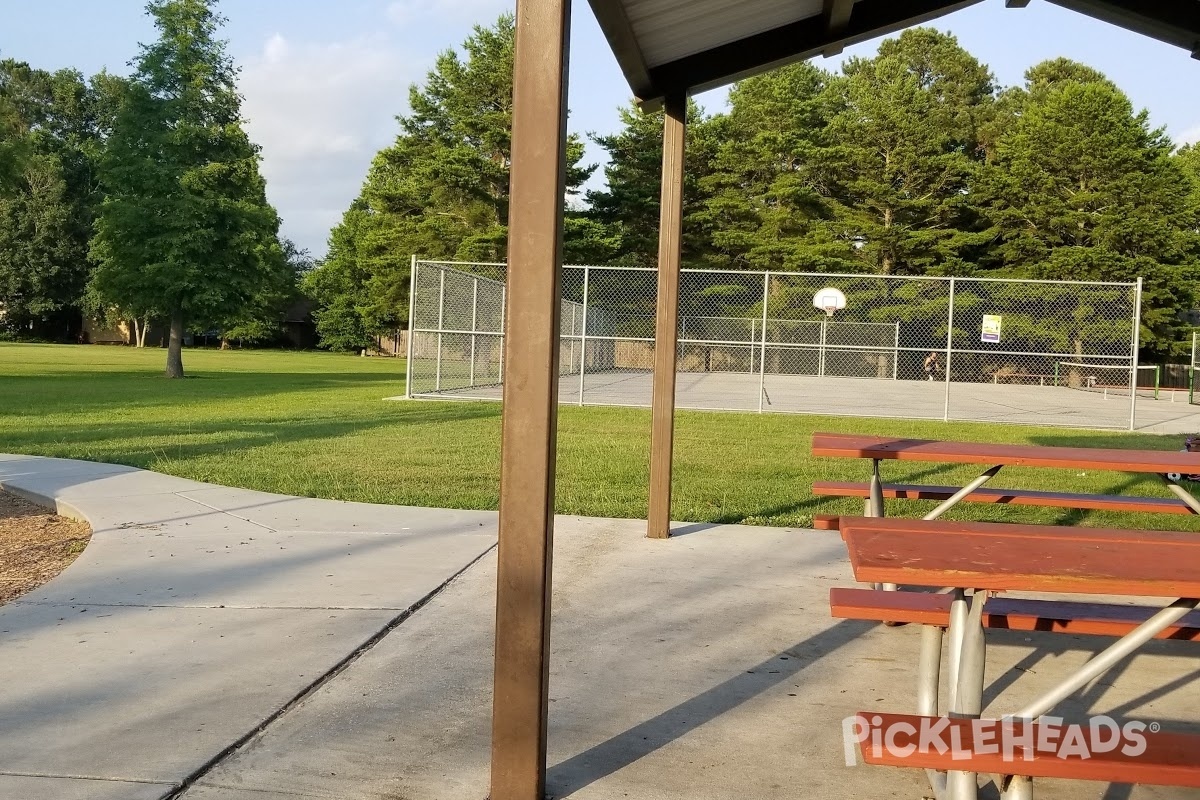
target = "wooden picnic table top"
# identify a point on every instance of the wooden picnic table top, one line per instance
(1033, 558)
(841, 445)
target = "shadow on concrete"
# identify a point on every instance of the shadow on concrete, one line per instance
(579, 771)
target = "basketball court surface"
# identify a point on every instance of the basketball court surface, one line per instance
(865, 397)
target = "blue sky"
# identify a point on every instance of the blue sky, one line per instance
(324, 79)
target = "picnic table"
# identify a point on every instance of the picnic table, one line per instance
(1169, 465)
(970, 563)
(977, 560)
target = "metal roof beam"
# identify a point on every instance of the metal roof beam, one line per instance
(837, 16)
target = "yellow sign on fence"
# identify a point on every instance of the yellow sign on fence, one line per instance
(991, 328)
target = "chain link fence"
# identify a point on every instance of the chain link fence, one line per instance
(1191, 370)
(993, 350)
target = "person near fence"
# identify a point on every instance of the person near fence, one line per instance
(932, 366)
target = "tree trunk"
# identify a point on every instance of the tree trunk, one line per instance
(140, 329)
(175, 345)
(888, 262)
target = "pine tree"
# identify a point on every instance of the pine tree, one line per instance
(628, 206)
(439, 191)
(1082, 188)
(904, 147)
(185, 231)
(768, 196)
(1188, 160)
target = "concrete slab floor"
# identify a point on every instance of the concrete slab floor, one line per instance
(20, 787)
(703, 667)
(188, 623)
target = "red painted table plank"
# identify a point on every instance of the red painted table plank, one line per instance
(1034, 558)
(1052, 616)
(1016, 497)
(840, 445)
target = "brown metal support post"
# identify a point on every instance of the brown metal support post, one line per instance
(666, 330)
(530, 418)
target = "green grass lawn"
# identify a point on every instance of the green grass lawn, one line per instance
(316, 424)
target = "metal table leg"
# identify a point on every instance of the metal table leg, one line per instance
(968, 688)
(961, 494)
(875, 508)
(929, 672)
(1105, 660)
(1183, 494)
(1019, 787)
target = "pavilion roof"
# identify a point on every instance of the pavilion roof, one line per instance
(666, 47)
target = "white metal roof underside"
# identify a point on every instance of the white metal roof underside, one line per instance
(709, 23)
(673, 46)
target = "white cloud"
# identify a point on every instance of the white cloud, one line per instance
(1190, 136)
(320, 113)
(403, 12)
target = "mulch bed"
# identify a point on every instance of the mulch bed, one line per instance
(35, 545)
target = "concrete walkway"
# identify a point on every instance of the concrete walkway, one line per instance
(701, 668)
(195, 615)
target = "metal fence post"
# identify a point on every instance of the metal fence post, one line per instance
(824, 339)
(949, 350)
(570, 337)
(503, 333)
(412, 305)
(1192, 370)
(762, 356)
(753, 328)
(896, 355)
(583, 335)
(1137, 339)
(437, 379)
(474, 325)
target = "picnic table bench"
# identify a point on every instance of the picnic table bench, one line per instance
(979, 559)
(969, 563)
(1159, 462)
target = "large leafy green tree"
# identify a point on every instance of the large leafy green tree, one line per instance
(439, 191)
(185, 232)
(904, 146)
(261, 320)
(52, 127)
(42, 267)
(12, 144)
(1083, 188)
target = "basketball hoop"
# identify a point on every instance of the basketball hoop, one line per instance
(829, 300)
